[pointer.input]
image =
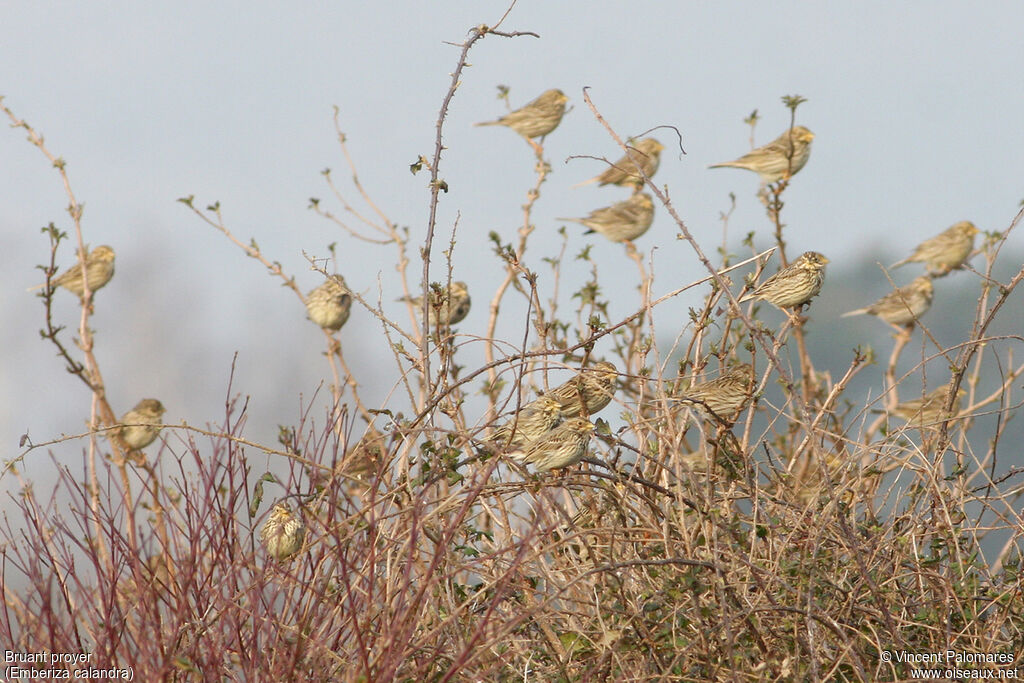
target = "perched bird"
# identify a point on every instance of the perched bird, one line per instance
(536, 119)
(781, 158)
(99, 268)
(283, 533)
(596, 385)
(794, 285)
(946, 251)
(329, 304)
(445, 306)
(154, 581)
(930, 408)
(645, 153)
(904, 305)
(533, 421)
(159, 574)
(140, 426)
(364, 460)
(621, 222)
(725, 395)
(812, 470)
(561, 447)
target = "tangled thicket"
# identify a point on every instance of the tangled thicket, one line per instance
(764, 526)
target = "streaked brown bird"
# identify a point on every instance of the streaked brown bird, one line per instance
(946, 251)
(99, 269)
(645, 153)
(533, 421)
(365, 459)
(561, 447)
(536, 119)
(140, 426)
(445, 306)
(902, 306)
(781, 158)
(329, 304)
(620, 222)
(283, 533)
(794, 285)
(596, 385)
(929, 409)
(725, 395)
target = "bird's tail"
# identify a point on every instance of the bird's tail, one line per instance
(900, 263)
(519, 455)
(488, 123)
(728, 164)
(572, 220)
(859, 311)
(586, 182)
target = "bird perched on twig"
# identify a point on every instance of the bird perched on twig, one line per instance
(533, 421)
(794, 285)
(558, 448)
(930, 408)
(99, 269)
(725, 395)
(902, 306)
(623, 221)
(781, 158)
(283, 533)
(364, 460)
(595, 385)
(946, 251)
(644, 153)
(329, 304)
(445, 306)
(140, 426)
(536, 119)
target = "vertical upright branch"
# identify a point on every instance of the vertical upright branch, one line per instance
(437, 185)
(100, 412)
(807, 382)
(774, 206)
(513, 267)
(983, 319)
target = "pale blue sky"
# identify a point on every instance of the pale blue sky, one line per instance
(916, 107)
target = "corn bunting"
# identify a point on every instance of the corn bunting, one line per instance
(781, 158)
(621, 222)
(902, 306)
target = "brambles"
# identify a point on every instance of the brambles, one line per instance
(945, 252)
(902, 306)
(561, 447)
(781, 158)
(329, 304)
(421, 570)
(645, 154)
(623, 221)
(794, 285)
(536, 119)
(283, 533)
